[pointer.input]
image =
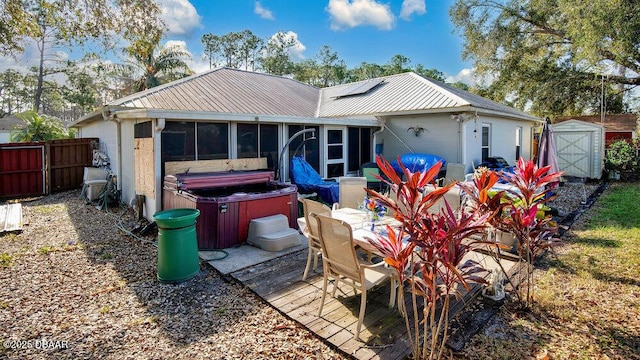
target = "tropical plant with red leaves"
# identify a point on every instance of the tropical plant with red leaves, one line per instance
(428, 253)
(517, 211)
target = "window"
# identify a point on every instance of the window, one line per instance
(213, 141)
(359, 147)
(486, 141)
(178, 141)
(181, 139)
(143, 130)
(269, 144)
(258, 140)
(302, 146)
(335, 152)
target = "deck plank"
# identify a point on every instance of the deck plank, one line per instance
(279, 282)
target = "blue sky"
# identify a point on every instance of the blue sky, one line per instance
(371, 31)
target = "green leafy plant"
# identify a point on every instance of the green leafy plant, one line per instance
(620, 155)
(39, 128)
(5, 260)
(427, 253)
(623, 157)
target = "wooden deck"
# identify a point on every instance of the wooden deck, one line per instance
(383, 334)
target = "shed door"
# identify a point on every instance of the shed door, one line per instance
(575, 153)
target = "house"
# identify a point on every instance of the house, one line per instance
(8, 124)
(232, 114)
(616, 126)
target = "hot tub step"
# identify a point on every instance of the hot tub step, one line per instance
(276, 241)
(267, 225)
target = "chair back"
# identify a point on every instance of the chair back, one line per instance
(338, 253)
(351, 191)
(453, 198)
(314, 207)
(455, 172)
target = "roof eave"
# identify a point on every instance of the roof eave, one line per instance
(218, 116)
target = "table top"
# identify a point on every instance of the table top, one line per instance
(359, 221)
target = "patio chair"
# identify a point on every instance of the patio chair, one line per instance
(370, 171)
(454, 172)
(351, 191)
(340, 263)
(315, 249)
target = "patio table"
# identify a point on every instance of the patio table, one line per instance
(361, 225)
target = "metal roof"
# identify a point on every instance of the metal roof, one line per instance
(226, 90)
(612, 122)
(406, 93)
(237, 92)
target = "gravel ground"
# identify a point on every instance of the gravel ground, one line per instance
(75, 286)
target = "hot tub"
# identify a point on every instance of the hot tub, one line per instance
(228, 201)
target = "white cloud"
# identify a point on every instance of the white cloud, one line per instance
(181, 17)
(297, 50)
(465, 76)
(195, 63)
(410, 7)
(351, 13)
(262, 12)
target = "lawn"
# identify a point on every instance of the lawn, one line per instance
(587, 292)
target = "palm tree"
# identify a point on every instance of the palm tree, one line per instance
(39, 128)
(153, 65)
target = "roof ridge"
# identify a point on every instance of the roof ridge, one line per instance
(442, 87)
(189, 78)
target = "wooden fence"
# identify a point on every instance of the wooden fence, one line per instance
(41, 168)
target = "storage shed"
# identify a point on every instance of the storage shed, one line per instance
(580, 147)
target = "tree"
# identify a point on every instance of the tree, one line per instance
(277, 60)
(67, 23)
(38, 128)
(397, 65)
(553, 57)
(234, 49)
(434, 74)
(151, 65)
(326, 69)
(249, 50)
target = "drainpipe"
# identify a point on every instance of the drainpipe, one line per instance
(383, 121)
(157, 159)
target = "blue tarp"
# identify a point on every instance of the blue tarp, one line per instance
(308, 180)
(417, 162)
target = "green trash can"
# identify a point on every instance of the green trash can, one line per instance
(177, 244)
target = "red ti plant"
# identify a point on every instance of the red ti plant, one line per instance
(427, 253)
(531, 188)
(516, 210)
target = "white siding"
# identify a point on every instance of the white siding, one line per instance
(440, 137)
(107, 132)
(127, 175)
(5, 137)
(443, 137)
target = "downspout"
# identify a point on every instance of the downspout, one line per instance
(157, 159)
(383, 121)
(108, 116)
